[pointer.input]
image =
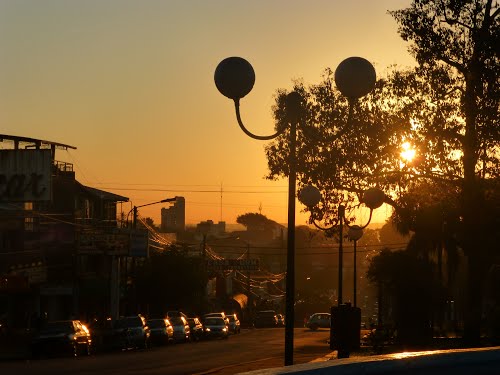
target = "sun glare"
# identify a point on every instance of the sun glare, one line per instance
(408, 153)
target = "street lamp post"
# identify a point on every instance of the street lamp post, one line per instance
(373, 198)
(134, 227)
(355, 233)
(234, 78)
(134, 220)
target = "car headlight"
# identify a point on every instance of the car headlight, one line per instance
(224, 329)
(207, 329)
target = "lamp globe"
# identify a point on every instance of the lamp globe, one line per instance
(234, 77)
(373, 198)
(355, 77)
(309, 196)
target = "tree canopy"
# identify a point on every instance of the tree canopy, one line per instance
(255, 221)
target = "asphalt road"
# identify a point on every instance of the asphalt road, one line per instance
(251, 350)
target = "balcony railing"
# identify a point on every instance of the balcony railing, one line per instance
(62, 166)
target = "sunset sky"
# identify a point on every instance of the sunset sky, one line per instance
(130, 84)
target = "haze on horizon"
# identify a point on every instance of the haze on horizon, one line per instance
(130, 84)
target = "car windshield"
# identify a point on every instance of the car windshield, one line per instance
(58, 327)
(266, 314)
(214, 322)
(129, 322)
(216, 315)
(176, 320)
(156, 323)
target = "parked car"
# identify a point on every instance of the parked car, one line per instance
(281, 320)
(221, 314)
(135, 330)
(234, 324)
(196, 328)
(69, 337)
(318, 320)
(161, 331)
(182, 332)
(266, 319)
(215, 326)
(105, 336)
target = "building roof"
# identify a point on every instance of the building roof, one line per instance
(104, 195)
(33, 142)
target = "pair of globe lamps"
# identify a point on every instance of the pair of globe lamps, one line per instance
(355, 77)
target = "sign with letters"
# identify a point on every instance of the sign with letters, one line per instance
(233, 264)
(25, 175)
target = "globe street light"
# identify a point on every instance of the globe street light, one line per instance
(234, 78)
(372, 198)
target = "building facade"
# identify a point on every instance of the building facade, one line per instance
(173, 218)
(59, 239)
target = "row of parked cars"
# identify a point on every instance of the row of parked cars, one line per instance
(75, 338)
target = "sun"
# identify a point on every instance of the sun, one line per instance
(408, 153)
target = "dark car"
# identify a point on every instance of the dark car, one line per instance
(215, 327)
(318, 320)
(196, 328)
(182, 332)
(135, 331)
(105, 336)
(266, 319)
(161, 331)
(234, 324)
(68, 337)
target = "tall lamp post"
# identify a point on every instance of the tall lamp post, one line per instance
(342, 338)
(134, 209)
(133, 263)
(354, 234)
(234, 78)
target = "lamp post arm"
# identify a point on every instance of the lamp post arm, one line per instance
(247, 132)
(162, 201)
(346, 222)
(325, 229)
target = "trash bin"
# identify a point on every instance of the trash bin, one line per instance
(345, 329)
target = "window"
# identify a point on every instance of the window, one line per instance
(29, 221)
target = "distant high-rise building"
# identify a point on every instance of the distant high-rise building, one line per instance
(173, 218)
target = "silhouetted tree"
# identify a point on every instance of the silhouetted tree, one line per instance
(408, 281)
(255, 221)
(447, 106)
(456, 44)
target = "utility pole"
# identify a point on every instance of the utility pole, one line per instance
(249, 289)
(134, 220)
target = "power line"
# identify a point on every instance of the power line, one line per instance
(194, 191)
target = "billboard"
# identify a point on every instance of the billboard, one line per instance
(25, 175)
